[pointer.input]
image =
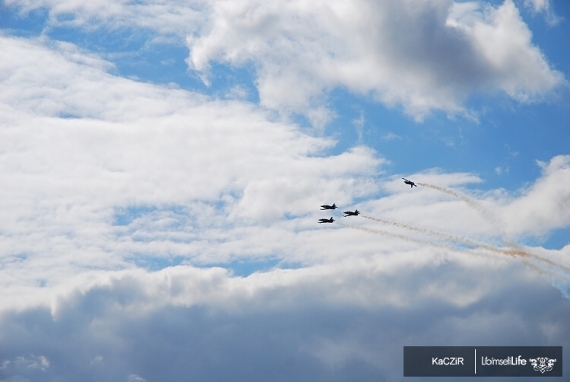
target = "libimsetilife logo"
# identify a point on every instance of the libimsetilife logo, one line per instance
(483, 361)
(542, 364)
(514, 361)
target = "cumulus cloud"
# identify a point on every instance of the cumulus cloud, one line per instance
(103, 175)
(318, 323)
(419, 55)
(424, 56)
(538, 5)
(96, 166)
(544, 7)
(546, 204)
(165, 17)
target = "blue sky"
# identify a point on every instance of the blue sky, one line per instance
(163, 165)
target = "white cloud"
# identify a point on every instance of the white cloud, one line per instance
(421, 55)
(80, 147)
(194, 179)
(326, 320)
(101, 172)
(543, 6)
(359, 125)
(500, 170)
(163, 16)
(390, 136)
(538, 5)
(29, 363)
(135, 378)
(545, 205)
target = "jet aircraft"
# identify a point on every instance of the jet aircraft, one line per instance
(412, 184)
(350, 213)
(327, 207)
(326, 220)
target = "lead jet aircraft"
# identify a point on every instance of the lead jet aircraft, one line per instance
(327, 207)
(326, 220)
(412, 184)
(350, 213)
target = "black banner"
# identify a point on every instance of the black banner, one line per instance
(482, 361)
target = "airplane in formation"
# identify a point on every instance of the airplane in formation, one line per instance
(326, 220)
(327, 207)
(350, 213)
(412, 184)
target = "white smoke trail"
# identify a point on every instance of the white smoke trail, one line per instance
(511, 251)
(441, 235)
(514, 249)
(479, 208)
(472, 203)
(525, 259)
(402, 237)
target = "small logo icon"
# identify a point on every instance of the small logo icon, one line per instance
(542, 364)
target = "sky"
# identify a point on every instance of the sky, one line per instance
(163, 164)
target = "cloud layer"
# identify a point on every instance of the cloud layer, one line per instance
(104, 173)
(127, 208)
(424, 56)
(418, 55)
(335, 324)
(97, 168)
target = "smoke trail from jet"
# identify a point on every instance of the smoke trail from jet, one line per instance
(513, 251)
(479, 208)
(450, 237)
(472, 203)
(441, 235)
(521, 252)
(509, 252)
(434, 244)
(401, 237)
